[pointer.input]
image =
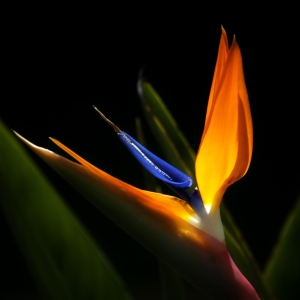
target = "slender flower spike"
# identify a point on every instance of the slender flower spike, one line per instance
(190, 224)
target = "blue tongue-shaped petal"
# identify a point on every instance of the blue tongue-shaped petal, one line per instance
(153, 164)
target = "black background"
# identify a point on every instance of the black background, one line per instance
(57, 65)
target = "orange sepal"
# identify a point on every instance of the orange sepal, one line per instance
(226, 146)
(157, 201)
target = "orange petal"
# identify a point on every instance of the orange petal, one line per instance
(219, 70)
(171, 204)
(226, 146)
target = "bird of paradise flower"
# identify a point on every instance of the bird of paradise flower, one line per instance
(190, 224)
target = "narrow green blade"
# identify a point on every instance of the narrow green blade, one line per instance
(171, 140)
(63, 258)
(172, 285)
(283, 269)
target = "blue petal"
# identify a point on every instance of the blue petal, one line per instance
(153, 164)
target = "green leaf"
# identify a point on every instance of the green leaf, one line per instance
(283, 269)
(172, 285)
(194, 254)
(64, 260)
(171, 140)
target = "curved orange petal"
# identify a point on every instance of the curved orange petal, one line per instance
(172, 204)
(226, 146)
